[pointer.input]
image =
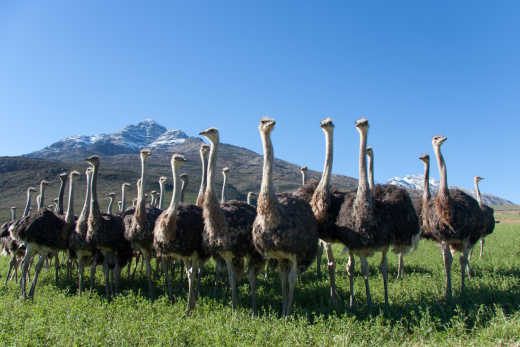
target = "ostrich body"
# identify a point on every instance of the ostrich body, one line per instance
(139, 228)
(398, 211)
(204, 150)
(178, 234)
(44, 234)
(106, 232)
(453, 219)
(227, 228)
(489, 219)
(185, 179)
(285, 228)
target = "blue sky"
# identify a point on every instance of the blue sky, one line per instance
(413, 68)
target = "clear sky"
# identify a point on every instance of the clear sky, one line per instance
(413, 68)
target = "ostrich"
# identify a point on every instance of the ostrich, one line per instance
(44, 234)
(185, 180)
(178, 234)
(153, 202)
(489, 219)
(250, 197)
(41, 197)
(204, 150)
(394, 204)
(162, 181)
(303, 171)
(285, 228)
(106, 232)
(227, 228)
(110, 196)
(224, 183)
(59, 201)
(123, 196)
(139, 228)
(453, 219)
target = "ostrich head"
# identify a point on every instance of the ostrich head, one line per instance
(438, 140)
(126, 184)
(44, 183)
(162, 179)
(211, 134)
(74, 174)
(225, 170)
(184, 177)
(31, 190)
(266, 125)
(327, 124)
(178, 159)
(111, 195)
(478, 179)
(425, 158)
(145, 154)
(303, 169)
(63, 176)
(370, 152)
(204, 149)
(93, 160)
(362, 125)
(55, 200)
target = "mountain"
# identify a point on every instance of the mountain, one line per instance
(416, 182)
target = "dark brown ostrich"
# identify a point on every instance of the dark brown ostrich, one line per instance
(360, 227)
(227, 228)
(43, 234)
(325, 203)
(106, 233)
(178, 235)
(139, 228)
(453, 219)
(395, 205)
(284, 228)
(488, 212)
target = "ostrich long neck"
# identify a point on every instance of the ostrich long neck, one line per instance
(13, 214)
(183, 188)
(123, 198)
(223, 196)
(371, 184)
(161, 195)
(443, 190)
(85, 210)
(69, 217)
(363, 191)
(329, 155)
(304, 177)
(59, 208)
(426, 193)
(141, 201)
(41, 202)
(27, 204)
(212, 161)
(266, 198)
(203, 180)
(94, 205)
(176, 192)
(110, 202)
(479, 198)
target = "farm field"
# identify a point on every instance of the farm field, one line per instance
(489, 313)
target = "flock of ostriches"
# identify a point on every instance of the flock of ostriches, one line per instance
(289, 230)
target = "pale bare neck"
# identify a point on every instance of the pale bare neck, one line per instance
(161, 195)
(426, 193)
(267, 197)
(176, 191)
(27, 204)
(443, 190)
(13, 214)
(223, 194)
(371, 184)
(110, 202)
(86, 205)
(59, 207)
(363, 191)
(477, 190)
(141, 201)
(69, 217)
(94, 204)
(203, 159)
(304, 177)
(210, 197)
(41, 202)
(123, 198)
(183, 189)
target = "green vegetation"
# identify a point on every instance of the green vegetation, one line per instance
(489, 313)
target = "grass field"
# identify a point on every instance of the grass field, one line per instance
(489, 313)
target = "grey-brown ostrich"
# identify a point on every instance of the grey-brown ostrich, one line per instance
(227, 228)
(453, 219)
(284, 228)
(43, 234)
(106, 232)
(488, 212)
(162, 181)
(178, 235)
(204, 150)
(185, 179)
(139, 228)
(395, 205)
